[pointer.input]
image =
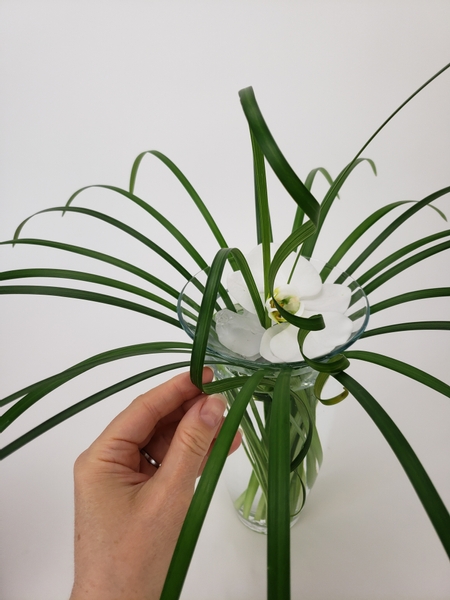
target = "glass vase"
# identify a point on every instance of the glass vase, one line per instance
(246, 472)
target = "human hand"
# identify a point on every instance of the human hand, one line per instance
(128, 513)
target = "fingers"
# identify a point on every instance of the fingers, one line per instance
(192, 440)
(138, 420)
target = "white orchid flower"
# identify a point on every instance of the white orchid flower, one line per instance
(301, 293)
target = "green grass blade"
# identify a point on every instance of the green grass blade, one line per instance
(356, 234)
(86, 403)
(405, 264)
(401, 367)
(312, 175)
(419, 478)
(89, 277)
(45, 386)
(181, 239)
(187, 186)
(383, 264)
(414, 326)
(263, 223)
(208, 303)
(390, 229)
(167, 256)
(402, 105)
(121, 264)
(204, 492)
(282, 169)
(330, 196)
(278, 509)
(299, 214)
(43, 290)
(410, 297)
(290, 245)
(308, 248)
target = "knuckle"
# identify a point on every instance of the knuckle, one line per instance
(194, 442)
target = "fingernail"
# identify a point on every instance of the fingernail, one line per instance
(212, 410)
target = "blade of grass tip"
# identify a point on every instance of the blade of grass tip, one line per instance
(414, 326)
(403, 368)
(200, 503)
(86, 403)
(278, 517)
(282, 169)
(419, 478)
(187, 186)
(299, 213)
(330, 196)
(326, 204)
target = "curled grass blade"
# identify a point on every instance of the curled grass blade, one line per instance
(419, 478)
(86, 403)
(208, 303)
(278, 508)
(200, 503)
(296, 238)
(282, 169)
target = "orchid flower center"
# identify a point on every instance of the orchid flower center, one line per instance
(288, 298)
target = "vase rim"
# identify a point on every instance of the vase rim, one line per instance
(216, 350)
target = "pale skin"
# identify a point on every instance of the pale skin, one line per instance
(128, 513)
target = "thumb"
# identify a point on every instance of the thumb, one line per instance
(192, 440)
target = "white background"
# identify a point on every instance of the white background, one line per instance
(86, 86)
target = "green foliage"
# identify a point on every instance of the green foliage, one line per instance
(302, 240)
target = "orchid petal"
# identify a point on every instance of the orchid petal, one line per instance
(306, 279)
(238, 289)
(331, 298)
(266, 339)
(284, 344)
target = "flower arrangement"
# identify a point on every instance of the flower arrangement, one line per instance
(275, 328)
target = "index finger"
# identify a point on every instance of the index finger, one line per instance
(135, 423)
